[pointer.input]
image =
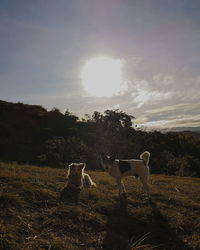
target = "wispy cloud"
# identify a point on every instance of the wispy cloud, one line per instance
(180, 121)
(143, 95)
(180, 115)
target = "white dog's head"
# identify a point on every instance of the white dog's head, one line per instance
(107, 161)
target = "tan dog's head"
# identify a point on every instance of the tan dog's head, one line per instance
(76, 169)
(75, 174)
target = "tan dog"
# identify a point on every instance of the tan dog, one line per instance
(77, 177)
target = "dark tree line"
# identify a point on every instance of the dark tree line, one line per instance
(30, 133)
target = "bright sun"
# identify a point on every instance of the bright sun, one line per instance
(102, 76)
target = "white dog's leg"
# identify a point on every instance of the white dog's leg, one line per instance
(121, 187)
(144, 180)
(138, 184)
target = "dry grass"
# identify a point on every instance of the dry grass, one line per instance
(33, 218)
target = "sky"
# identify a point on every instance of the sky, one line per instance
(44, 45)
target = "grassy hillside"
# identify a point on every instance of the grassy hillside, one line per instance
(32, 218)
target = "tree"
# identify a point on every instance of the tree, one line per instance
(76, 150)
(54, 151)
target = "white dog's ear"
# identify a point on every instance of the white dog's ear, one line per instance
(112, 157)
(67, 165)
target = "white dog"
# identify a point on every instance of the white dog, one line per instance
(122, 168)
(77, 177)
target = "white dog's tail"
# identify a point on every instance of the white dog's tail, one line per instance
(145, 157)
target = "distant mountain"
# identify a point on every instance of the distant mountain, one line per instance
(190, 131)
(181, 129)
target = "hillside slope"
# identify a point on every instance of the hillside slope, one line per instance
(32, 218)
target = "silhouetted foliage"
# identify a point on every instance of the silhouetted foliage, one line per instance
(30, 133)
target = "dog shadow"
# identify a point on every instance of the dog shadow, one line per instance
(69, 195)
(167, 236)
(124, 229)
(118, 227)
(123, 204)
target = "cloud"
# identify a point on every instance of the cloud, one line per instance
(180, 121)
(162, 80)
(117, 106)
(177, 109)
(143, 95)
(123, 88)
(180, 115)
(166, 101)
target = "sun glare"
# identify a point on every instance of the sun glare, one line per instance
(102, 76)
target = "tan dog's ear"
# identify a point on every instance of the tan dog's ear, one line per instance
(82, 165)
